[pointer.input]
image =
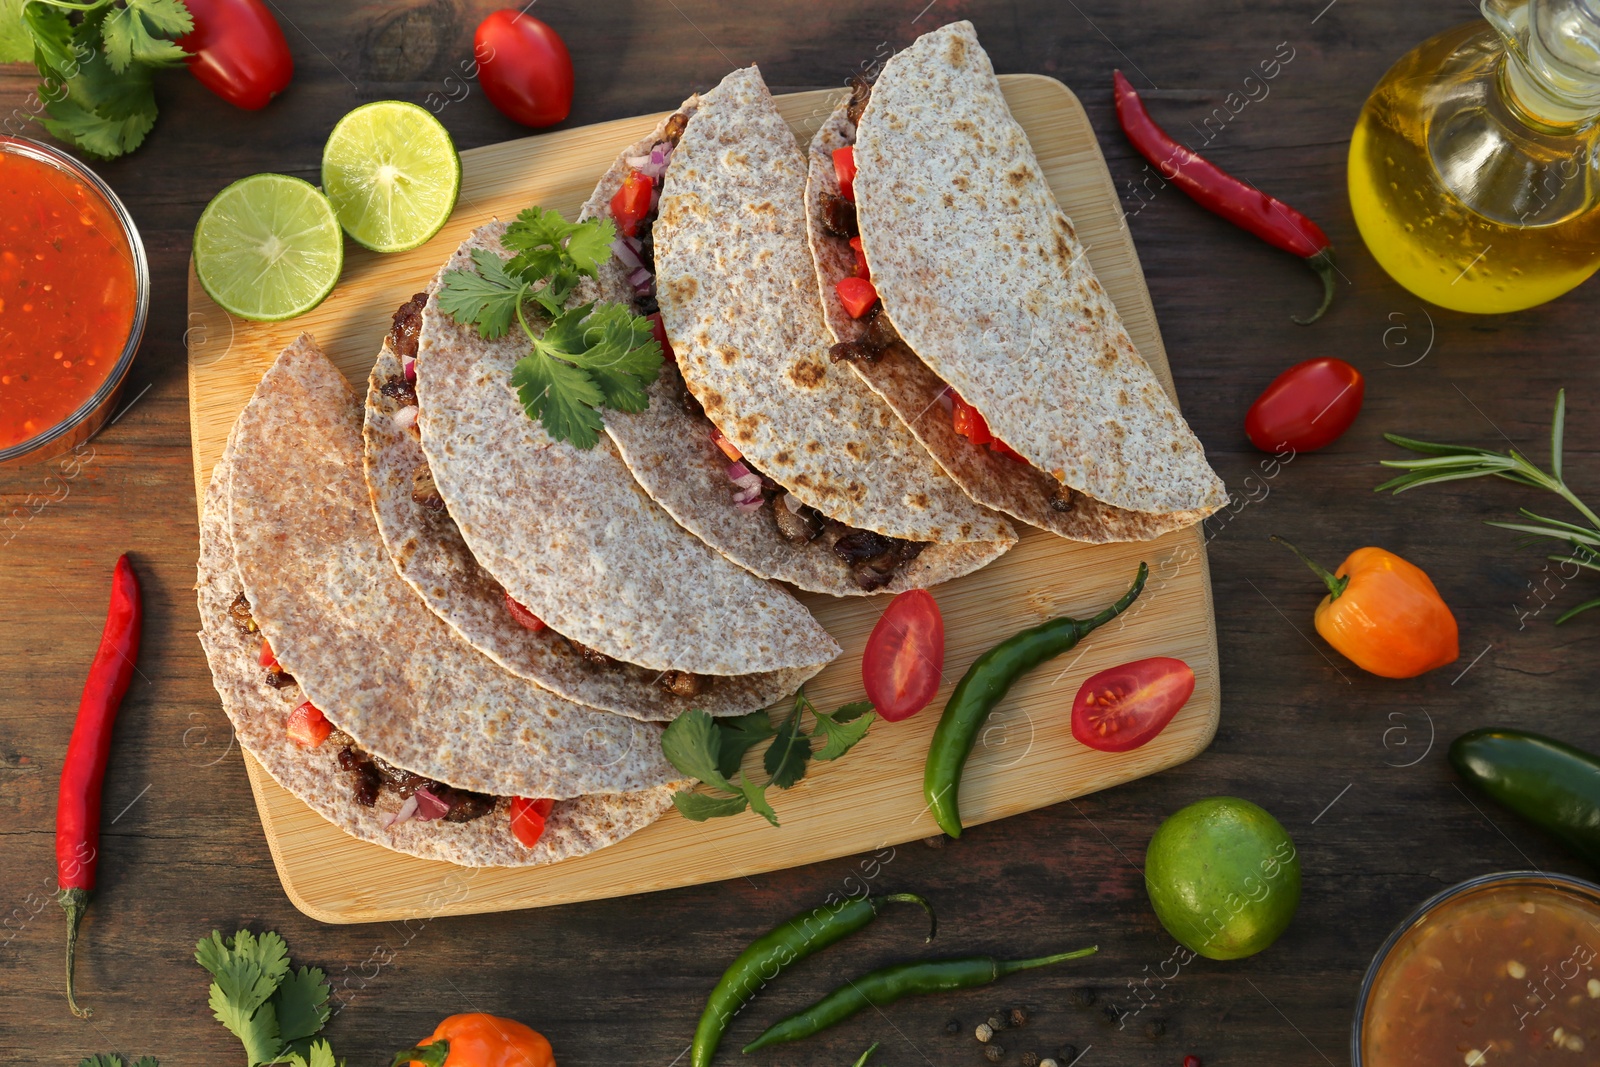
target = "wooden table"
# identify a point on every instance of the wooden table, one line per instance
(1343, 759)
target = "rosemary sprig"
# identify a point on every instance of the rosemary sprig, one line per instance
(1450, 463)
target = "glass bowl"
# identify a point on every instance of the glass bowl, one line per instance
(1582, 894)
(90, 415)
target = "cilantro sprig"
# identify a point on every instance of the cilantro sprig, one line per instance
(95, 60)
(273, 1009)
(713, 749)
(588, 357)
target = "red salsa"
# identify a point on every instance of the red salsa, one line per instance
(1508, 974)
(67, 295)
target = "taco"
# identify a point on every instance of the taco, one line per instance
(968, 304)
(786, 464)
(412, 740)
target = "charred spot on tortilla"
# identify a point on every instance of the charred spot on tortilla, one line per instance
(682, 287)
(807, 375)
(728, 354)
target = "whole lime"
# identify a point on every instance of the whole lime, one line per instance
(1223, 876)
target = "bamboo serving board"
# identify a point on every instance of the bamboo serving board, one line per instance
(1026, 757)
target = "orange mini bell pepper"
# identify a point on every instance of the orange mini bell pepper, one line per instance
(479, 1041)
(1384, 614)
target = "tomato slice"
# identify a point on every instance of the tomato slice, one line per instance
(968, 423)
(524, 617)
(729, 449)
(266, 658)
(844, 167)
(1124, 707)
(904, 661)
(857, 294)
(861, 259)
(308, 727)
(528, 818)
(631, 203)
(658, 330)
(1307, 407)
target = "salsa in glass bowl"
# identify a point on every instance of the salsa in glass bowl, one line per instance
(74, 293)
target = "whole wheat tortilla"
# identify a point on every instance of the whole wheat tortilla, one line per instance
(259, 713)
(572, 536)
(363, 648)
(672, 455)
(913, 391)
(984, 277)
(430, 555)
(736, 287)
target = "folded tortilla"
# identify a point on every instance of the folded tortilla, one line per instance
(571, 536)
(735, 285)
(428, 551)
(303, 386)
(983, 277)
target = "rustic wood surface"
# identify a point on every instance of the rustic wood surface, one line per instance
(1343, 759)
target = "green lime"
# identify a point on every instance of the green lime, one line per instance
(392, 173)
(1223, 876)
(268, 247)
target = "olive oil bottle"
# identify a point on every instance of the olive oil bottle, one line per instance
(1473, 171)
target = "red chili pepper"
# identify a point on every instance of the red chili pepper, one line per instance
(78, 807)
(1214, 189)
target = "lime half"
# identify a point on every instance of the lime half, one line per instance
(268, 247)
(392, 173)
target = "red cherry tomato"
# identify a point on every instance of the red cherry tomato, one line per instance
(1306, 407)
(307, 726)
(528, 818)
(524, 68)
(237, 50)
(632, 202)
(968, 422)
(1124, 707)
(857, 294)
(904, 661)
(844, 167)
(524, 617)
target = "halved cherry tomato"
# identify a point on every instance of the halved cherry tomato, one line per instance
(857, 294)
(528, 818)
(237, 50)
(632, 202)
(524, 617)
(904, 661)
(658, 330)
(968, 422)
(1000, 448)
(1124, 707)
(729, 449)
(862, 270)
(266, 658)
(1307, 407)
(308, 727)
(844, 166)
(524, 68)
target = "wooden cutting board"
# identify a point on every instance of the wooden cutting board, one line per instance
(1026, 757)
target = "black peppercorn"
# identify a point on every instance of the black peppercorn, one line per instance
(1030, 1059)
(1067, 1053)
(1018, 1016)
(993, 1053)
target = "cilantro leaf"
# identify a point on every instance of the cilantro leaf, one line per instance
(844, 728)
(487, 299)
(302, 1007)
(620, 353)
(114, 1059)
(320, 1054)
(246, 972)
(543, 241)
(131, 33)
(691, 743)
(698, 807)
(562, 397)
(52, 34)
(757, 795)
(589, 244)
(16, 45)
(739, 735)
(790, 751)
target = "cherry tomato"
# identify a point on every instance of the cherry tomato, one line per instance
(632, 202)
(308, 727)
(857, 294)
(1124, 707)
(844, 167)
(528, 818)
(904, 661)
(968, 422)
(862, 270)
(524, 68)
(1306, 407)
(1000, 448)
(266, 658)
(523, 616)
(237, 50)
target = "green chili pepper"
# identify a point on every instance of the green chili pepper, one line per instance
(983, 686)
(889, 984)
(806, 933)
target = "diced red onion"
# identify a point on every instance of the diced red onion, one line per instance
(406, 417)
(408, 809)
(411, 370)
(737, 471)
(753, 504)
(944, 401)
(626, 255)
(429, 807)
(792, 502)
(633, 243)
(642, 281)
(750, 483)
(638, 162)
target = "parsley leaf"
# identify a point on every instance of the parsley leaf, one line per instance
(757, 795)
(273, 1011)
(319, 1055)
(562, 397)
(488, 298)
(620, 353)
